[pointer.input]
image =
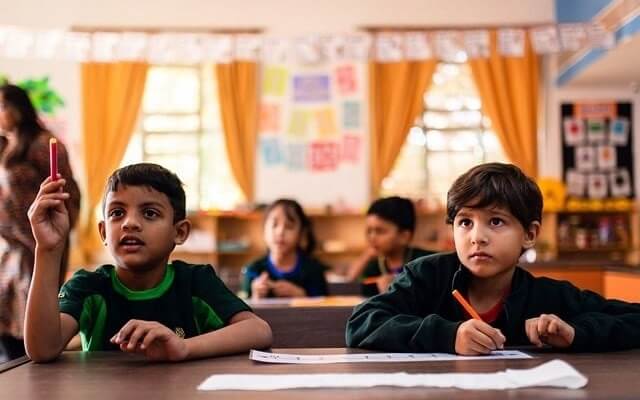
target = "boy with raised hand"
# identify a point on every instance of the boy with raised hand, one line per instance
(143, 304)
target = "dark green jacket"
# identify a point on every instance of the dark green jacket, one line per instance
(419, 314)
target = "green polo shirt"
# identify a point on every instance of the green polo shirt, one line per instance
(190, 300)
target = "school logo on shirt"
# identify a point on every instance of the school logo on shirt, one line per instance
(180, 332)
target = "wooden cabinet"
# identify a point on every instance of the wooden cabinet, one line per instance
(230, 240)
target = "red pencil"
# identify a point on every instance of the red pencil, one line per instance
(474, 314)
(53, 158)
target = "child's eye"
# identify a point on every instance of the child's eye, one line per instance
(464, 222)
(115, 213)
(150, 213)
(496, 221)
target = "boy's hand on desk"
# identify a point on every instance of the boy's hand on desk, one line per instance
(383, 282)
(549, 329)
(154, 340)
(477, 337)
(283, 288)
(48, 215)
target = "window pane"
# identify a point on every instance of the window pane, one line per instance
(172, 89)
(172, 143)
(171, 123)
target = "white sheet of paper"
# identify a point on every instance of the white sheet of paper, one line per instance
(283, 358)
(555, 373)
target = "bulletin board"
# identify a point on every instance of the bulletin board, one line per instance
(597, 143)
(312, 141)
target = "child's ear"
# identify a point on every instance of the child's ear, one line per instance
(531, 234)
(405, 236)
(102, 231)
(183, 228)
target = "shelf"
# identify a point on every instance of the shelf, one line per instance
(603, 249)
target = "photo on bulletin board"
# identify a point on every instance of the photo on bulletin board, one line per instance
(597, 143)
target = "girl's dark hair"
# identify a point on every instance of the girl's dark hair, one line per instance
(28, 126)
(294, 212)
(154, 176)
(496, 184)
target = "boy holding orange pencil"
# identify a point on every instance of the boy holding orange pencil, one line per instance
(495, 211)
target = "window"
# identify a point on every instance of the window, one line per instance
(450, 136)
(180, 128)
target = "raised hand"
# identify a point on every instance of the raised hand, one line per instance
(48, 215)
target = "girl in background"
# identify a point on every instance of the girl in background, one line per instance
(288, 269)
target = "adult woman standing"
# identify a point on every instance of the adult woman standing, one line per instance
(24, 164)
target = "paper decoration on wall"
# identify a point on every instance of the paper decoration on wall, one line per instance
(585, 158)
(448, 45)
(572, 36)
(271, 150)
(325, 156)
(247, 47)
(599, 37)
(274, 80)
(597, 186)
(576, 183)
(311, 88)
(296, 156)
(545, 39)
(619, 131)
(351, 115)
(346, 80)
(476, 43)
(326, 122)
(299, 123)
(620, 183)
(275, 50)
(595, 130)
(269, 118)
(573, 131)
(417, 46)
(511, 42)
(607, 157)
(351, 148)
(389, 47)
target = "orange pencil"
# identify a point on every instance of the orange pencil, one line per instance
(474, 314)
(370, 280)
(53, 158)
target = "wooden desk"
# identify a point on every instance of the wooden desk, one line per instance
(114, 375)
(308, 322)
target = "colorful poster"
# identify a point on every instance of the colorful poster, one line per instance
(585, 158)
(274, 81)
(271, 150)
(607, 158)
(299, 123)
(269, 118)
(619, 131)
(573, 131)
(351, 148)
(576, 183)
(311, 88)
(296, 156)
(326, 122)
(346, 80)
(325, 156)
(597, 186)
(351, 115)
(620, 182)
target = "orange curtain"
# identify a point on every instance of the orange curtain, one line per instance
(238, 98)
(508, 88)
(396, 92)
(111, 97)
